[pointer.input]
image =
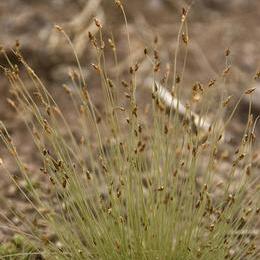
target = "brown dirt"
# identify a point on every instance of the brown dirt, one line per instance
(213, 27)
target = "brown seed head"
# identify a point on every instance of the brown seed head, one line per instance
(118, 3)
(226, 101)
(249, 91)
(227, 52)
(257, 75)
(111, 44)
(185, 38)
(59, 28)
(211, 83)
(184, 14)
(226, 71)
(90, 36)
(98, 23)
(161, 188)
(96, 67)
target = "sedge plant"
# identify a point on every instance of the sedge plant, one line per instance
(124, 184)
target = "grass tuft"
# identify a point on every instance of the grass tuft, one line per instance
(120, 183)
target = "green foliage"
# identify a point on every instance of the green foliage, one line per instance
(123, 185)
(18, 248)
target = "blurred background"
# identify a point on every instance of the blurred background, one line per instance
(213, 25)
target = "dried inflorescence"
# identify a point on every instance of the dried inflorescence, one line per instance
(144, 189)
